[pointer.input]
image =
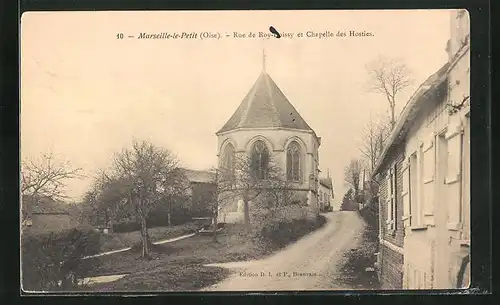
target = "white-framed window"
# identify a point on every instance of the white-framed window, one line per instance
(391, 201)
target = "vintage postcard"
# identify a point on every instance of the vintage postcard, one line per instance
(245, 150)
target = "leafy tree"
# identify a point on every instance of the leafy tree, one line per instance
(140, 177)
(346, 204)
(106, 200)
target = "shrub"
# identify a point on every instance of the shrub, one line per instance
(370, 215)
(282, 226)
(54, 261)
(282, 233)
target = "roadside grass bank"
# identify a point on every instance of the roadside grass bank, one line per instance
(357, 270)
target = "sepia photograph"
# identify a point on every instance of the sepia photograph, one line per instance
(297, 150)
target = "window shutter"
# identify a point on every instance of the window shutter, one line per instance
(428, 179)
(466, 181)
(405, 194)
(453, 175)
(394, 196)
(388, 198)
(418, 204)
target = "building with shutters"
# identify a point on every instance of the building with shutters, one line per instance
(326, 195)
(390, 257)
(266, 124)
(424, 169)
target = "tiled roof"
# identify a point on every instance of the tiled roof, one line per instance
(265, 106)
(198, 175)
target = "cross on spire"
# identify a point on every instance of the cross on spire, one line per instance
(263, 60)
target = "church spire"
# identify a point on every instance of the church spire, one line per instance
(264, 60)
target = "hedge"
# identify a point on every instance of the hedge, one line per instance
(281, 233)
(54, 261)
(370, 214)
(157, 218)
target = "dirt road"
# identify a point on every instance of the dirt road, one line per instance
(312, 263)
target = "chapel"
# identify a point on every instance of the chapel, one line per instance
(267, 125)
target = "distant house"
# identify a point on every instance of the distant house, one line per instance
(325, 193)
(201, 191)
(45, 215)
(424, 170)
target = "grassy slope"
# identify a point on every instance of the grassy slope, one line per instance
(123, 240)
(179, 265)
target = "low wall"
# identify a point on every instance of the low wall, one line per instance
(391, 268)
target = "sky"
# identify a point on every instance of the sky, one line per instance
(85, 94)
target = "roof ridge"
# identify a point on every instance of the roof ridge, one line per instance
(268, 79)
(251, 96)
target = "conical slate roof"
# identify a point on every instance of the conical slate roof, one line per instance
(265, 106)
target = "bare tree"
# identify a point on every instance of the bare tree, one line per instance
(389, 77)
(46, 177)
(247, 182)
(352, 175)
(146, 173)
(375, 135)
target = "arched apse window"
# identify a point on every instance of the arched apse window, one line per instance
(228, 161)
(293, 162)
(260, 160)
(228, 157)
